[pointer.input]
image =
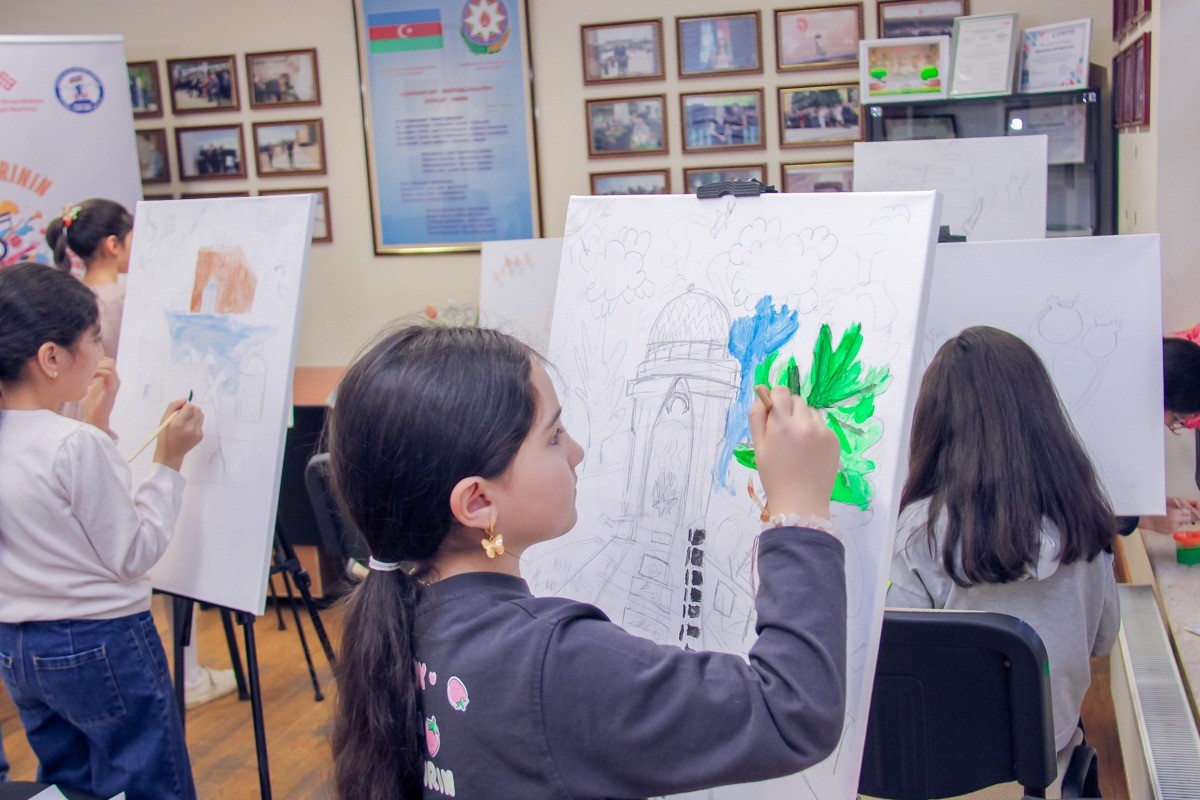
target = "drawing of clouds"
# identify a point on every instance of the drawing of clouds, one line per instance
(617, 272)
(747, 271)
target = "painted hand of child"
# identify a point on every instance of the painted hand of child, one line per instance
(183, 433)
(101, 394)
(1182, 513)
(797, 455)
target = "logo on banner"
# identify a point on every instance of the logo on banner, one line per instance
(485, 26)
(79, 90)
(7, 81)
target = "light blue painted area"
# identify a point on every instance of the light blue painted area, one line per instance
(751, 340)
(219, 341)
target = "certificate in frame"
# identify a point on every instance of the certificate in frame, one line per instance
(984, 55)
(1054, 58)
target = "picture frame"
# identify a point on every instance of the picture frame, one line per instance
(727, 120)
(818, 37)
(204, 84)
(1055, 58)
(322, 221)
(983, 55)
(934, 126)
(167, 196)
(145, 89)
(719, 44)
(1141, 80)
(814, 116)
(153, 159)
(211, 195)
(631, 182)
(283, 78)
(1065, 128)
(903, 70)
(622, 52)
(695, 177)
(626, 126)
(210, 152)
(905, 18)
(289, 147)
(818, 176)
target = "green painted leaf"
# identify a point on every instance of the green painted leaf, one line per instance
(744, 454)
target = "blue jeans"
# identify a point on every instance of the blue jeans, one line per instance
(97, 704)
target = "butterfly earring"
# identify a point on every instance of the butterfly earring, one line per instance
(493, 545)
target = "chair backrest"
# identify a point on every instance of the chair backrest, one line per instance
(339, 537)
(961, 702)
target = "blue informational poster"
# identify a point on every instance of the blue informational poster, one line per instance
(449, 123)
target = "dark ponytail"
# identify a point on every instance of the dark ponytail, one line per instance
(421, 410)
(39, 304)
(90, 223)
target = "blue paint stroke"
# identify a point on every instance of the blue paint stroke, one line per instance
(751, 340)
(220, 341)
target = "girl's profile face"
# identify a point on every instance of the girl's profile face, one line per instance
(123, 253)
(73, 379)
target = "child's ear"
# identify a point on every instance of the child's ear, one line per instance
(471, 503)
(50, 359)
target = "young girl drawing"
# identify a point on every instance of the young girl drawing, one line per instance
(448, 450)
(1002, 511)
(78, 649)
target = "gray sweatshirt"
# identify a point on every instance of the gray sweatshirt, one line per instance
(1073, 607)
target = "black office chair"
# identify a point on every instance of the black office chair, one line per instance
(962, 702)
(339, 537)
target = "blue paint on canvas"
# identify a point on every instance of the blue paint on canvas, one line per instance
(219, 340)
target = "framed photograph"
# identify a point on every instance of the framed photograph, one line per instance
(984, 55)
(1064, 126)
(158, 197)
(1141, 80)
(623, 51)
(819, 115)
(645, 181)
(819, 37)
(295, 147)
(1054, 58)
(822, 176)
(899, 71)
(695, 177)
(322, 224)
(211, 195)
(145, 91)
(153, 159)
(904, 129)
(728, 44)
(722, 121)
(283, 78)
(627, 126)
(210, 152)
(201, 85)
(902, 18)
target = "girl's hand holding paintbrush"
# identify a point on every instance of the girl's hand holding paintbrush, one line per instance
(796, 452)
(181, 429)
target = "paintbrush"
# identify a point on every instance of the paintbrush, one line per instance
(161, 428)
(764, 394)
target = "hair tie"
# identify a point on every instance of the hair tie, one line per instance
(384, 566)
(70, 214)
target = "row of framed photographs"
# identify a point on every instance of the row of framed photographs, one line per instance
(322, 222)
(816, 37)
(729, 120)
(278, 79)
(820, 176)
(218, 152)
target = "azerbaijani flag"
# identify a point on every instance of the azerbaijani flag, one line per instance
(398, 31)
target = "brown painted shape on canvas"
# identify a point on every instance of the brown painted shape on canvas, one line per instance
(234, 281)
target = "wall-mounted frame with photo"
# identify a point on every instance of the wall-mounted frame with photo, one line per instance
(145, 90)
(721, 44)
(627, 126)
(203, 84)
(695, 177)
(818, 37)
(153, 159)
(1141, 80)
(322, 222)
(283, 78)
(1126, 14)
(1055, 58)
(722, 120)
(642, 181)
(616, 52)
(905, 129)
(904, 70)
(294, 147)
(811, 116)
(903, 18)
(211, 195)
(1065, 128)
(167, 196)
(210, 152)
(819, 176)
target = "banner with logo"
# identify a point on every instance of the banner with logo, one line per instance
(66, 134)
(449, 114)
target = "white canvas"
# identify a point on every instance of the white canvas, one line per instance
(516, 288)
(652, 294)
(1092, 308)
(992, 188)
(213, 307)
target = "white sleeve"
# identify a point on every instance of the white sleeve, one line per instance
(129, 531)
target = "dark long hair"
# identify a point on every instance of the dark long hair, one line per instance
(422, 409)
(993, 447)
(39, 304)
(1181, 376)
(92, 221)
